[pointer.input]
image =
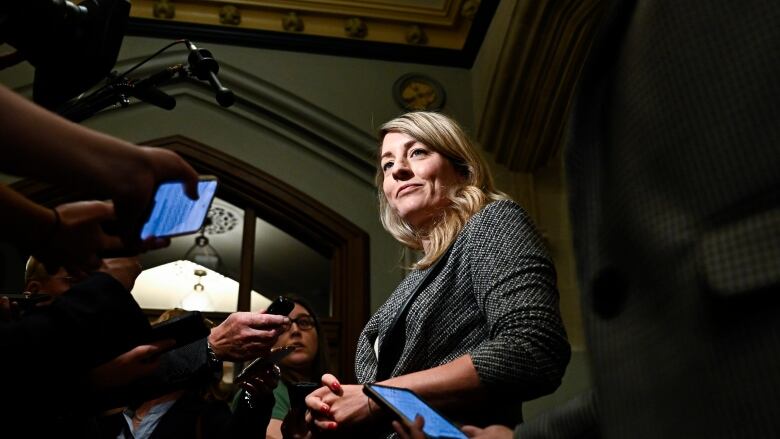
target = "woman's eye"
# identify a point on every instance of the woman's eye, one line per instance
(387, 166)
(416, 152)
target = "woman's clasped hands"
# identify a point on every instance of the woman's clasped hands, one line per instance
(336, 406)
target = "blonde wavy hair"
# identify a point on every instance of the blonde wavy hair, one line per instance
(443, 135)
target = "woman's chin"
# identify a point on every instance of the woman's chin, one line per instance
(297, 358)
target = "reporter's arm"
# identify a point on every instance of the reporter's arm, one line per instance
(42, 144)
(38, 143)
(71, 237)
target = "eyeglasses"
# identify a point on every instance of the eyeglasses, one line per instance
(304, 322)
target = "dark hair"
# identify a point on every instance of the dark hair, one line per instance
(321, 363)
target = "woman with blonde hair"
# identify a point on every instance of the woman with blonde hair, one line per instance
(475, 327)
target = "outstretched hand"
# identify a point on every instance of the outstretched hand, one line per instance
(133, 181)
(76, 238)
(133, 178)
(245, 336)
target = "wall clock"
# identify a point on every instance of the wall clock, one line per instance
(415, 92)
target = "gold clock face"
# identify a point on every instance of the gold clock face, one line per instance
(416, 92)
(418, 95)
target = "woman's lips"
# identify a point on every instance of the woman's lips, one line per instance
(406, 189)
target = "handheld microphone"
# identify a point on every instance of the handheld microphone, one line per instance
(205, 68)
(147, 91)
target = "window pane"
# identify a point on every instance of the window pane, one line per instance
(197, 272)
(287, 266)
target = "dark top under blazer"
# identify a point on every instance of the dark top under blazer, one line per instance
(495, 298)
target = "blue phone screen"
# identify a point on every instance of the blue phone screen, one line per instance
(174, 213)
(410, 405)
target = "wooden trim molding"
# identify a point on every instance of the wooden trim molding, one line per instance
(290, 210)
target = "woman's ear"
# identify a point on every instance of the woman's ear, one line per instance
(462, 169)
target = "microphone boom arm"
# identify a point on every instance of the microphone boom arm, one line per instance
(201, 65)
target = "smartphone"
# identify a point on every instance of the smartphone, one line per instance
(282, 306)
(185, 329)
(299, 391)
(174, 213)
(406, 405)
(264, 362)
(27, 301)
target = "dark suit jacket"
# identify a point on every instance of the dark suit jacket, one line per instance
(48, 353)
(191, 417)
(494, 298)
(674, 172)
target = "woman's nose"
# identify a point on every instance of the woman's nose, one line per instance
(401, 170)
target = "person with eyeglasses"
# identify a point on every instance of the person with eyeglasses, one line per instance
(305, 364)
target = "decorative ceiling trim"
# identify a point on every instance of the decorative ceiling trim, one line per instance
(449, 36)
(525, 118)
(445, 13)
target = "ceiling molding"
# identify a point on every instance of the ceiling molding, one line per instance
(429, 32)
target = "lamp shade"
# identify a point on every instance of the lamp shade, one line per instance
(173, 285)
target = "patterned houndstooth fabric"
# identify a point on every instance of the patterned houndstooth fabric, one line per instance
(674, 172)
(495, 298)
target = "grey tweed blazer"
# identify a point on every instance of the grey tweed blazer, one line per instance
(674, 172)
(495, 299)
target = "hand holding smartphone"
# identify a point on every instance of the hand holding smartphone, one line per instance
(174, 213)
(265, 365)
(406, 405)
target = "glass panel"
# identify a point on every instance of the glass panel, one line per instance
(197, 272)
(286, 266)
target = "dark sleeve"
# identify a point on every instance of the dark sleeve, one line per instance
(186, 364)
(51, 349)
(184, 367)
(576, 419)
(514, 284)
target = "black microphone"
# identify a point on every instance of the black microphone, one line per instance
(205, 68)
(147, 91)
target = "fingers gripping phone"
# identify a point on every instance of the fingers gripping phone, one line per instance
(257, 365)
(174, 213)
(406, 404)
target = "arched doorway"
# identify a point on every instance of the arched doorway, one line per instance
(262, 197)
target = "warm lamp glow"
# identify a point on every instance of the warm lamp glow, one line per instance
(172, 285)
